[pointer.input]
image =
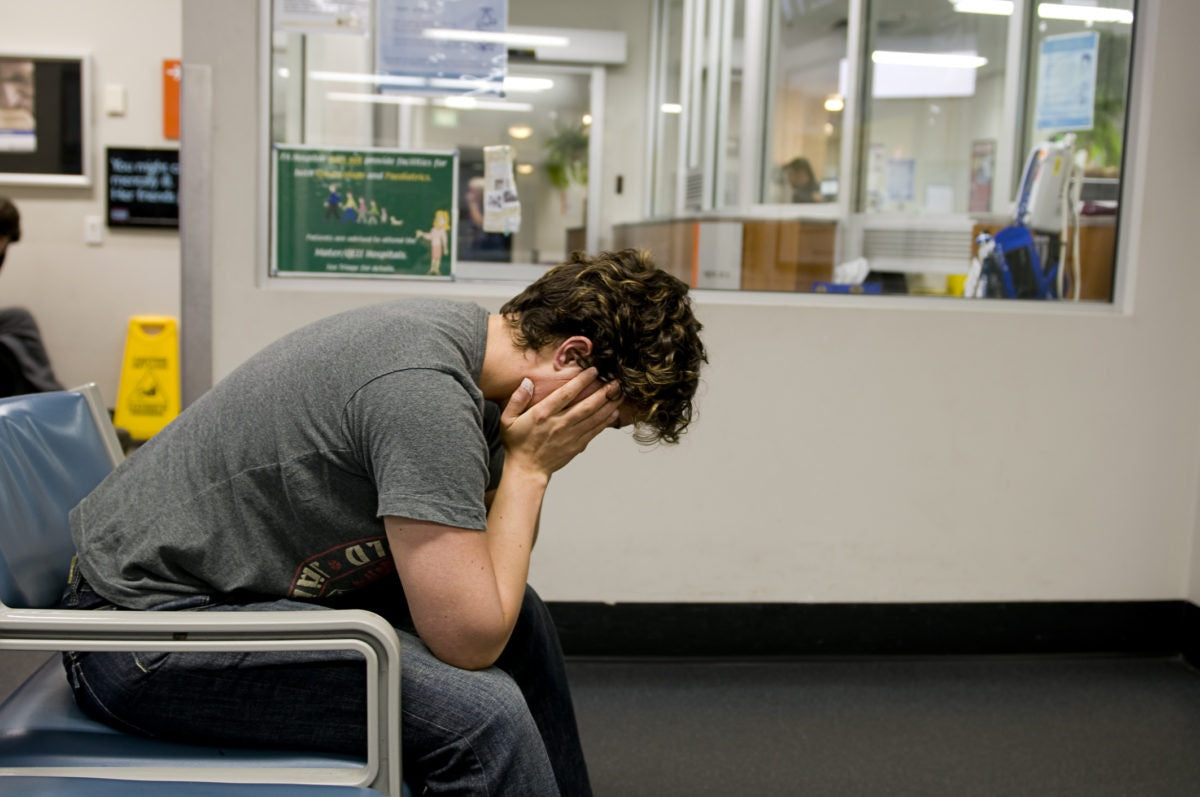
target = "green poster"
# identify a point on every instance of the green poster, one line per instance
(364, 212)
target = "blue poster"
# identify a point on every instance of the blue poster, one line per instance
(1066, 82)
(452, 46)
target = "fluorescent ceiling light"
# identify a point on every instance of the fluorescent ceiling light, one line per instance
(380, 99)
(834, 103)
(1003, 8)
(524, 83)
(473, 104)
(672, 107)
(460, 84)
(942, 60)
(515, 83)
(1084, 13)
(520, 131)
(496, 37)
(370, 79)
(1077, 13)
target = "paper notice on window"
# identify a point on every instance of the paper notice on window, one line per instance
(1066, 82)
(451, 46)
(901, 179)
(501, 207)
(323, 16)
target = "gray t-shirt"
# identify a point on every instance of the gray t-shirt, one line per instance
(275, 482)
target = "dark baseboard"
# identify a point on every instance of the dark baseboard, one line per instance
(862, 629)
(1190, 633)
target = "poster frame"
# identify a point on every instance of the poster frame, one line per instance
(274, 267)
(160, 222)
(74, 125)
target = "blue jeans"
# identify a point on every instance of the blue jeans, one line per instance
(507, 730)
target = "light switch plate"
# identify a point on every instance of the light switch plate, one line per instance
(93, 230)
(114, 99)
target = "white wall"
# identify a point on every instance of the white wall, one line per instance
(847, 449)
(84, 295)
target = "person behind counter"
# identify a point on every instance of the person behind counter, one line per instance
(801, 181)
(24, 364)
(392, 457)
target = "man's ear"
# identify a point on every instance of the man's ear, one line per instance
(575, 350)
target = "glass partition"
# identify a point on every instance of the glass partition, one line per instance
(933, 89)
(1079, 83)
(948, 147)
(806, 89)
(933, 118)
(327, 92)
(839, 146)
(668, 71)
(1103, 141)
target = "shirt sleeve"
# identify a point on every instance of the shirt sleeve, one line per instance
(419, 434)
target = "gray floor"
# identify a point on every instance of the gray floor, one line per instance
(972, 726)
(944, 726)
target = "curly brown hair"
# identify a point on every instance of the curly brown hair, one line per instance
(640, 322)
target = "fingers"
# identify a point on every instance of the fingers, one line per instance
(604, 418)
(579, 405)
(520, 400)
(566, 395)
(597, 409)
(549, 434)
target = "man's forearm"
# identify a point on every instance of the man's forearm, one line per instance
(511, 532)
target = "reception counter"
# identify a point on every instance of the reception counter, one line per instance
(738, 254)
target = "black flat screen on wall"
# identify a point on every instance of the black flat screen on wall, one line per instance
(143, 187)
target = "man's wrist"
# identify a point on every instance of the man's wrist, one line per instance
(526, 473)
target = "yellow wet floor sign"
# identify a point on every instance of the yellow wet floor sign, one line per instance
(148, 395)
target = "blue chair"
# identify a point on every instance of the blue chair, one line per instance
(54, 449)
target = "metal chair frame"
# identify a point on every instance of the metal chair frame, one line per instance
(57, 629)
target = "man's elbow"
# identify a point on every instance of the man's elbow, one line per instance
(467, 657)
(469, 660)
(467, 651)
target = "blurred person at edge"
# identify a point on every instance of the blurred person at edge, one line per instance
(24, 364)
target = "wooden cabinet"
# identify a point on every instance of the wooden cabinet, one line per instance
(788, 255)
(671, 244)
(775, 254)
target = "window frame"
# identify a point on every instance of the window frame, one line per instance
(493, 276)
(854, 223)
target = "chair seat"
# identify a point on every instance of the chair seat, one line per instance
(40, 725)
(27, 786)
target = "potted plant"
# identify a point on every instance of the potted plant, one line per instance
(567, 158)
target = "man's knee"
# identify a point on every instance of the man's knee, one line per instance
(496, 702)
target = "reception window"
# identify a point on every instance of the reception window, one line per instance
(341, 91)
(958, 148)
(925, 147)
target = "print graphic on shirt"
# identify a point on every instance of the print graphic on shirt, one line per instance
(347, 567)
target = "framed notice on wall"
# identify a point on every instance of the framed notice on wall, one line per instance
(44, 117)
(363, 213)
(143, 187)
